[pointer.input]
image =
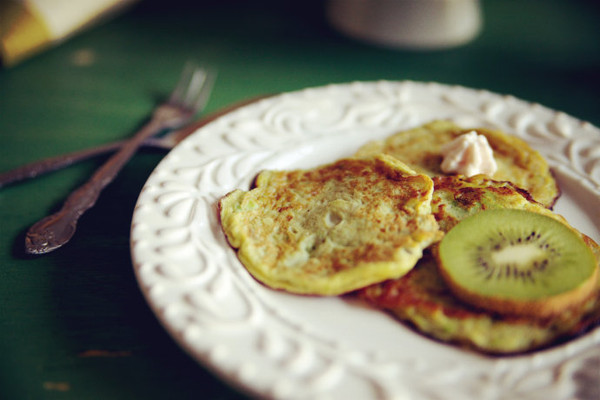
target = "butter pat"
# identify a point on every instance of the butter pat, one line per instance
(469, 154)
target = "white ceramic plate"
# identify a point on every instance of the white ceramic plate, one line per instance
(277, 345)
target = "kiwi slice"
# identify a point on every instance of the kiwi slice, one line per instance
(517, 262)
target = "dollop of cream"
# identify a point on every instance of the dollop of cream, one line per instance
(469, 154)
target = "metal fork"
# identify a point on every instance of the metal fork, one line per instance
(50, 164)
(163, 142)
(190, 95)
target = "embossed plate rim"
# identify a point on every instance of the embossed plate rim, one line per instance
(276, 345)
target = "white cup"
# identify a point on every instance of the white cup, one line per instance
(411, 24)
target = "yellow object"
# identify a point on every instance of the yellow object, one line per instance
(22, 32)
(30, 26)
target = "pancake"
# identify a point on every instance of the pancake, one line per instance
(334, 228)
(456, 197)
(422, 299)
(420, 148)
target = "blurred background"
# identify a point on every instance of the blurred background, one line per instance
(538, 50)
(100, 84)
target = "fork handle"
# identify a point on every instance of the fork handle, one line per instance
(40, 167)
(57, 229)
(50, 164)
(37, 168)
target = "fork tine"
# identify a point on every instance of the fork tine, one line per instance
(182, 83)
(200, 88)
(194, 86)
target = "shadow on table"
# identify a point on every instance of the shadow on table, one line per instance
(112, 344)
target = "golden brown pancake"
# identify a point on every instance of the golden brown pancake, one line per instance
(420, 148)
(334, 228)
(456, 197)
(423, 300)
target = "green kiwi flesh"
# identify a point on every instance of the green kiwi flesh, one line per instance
(517, 262)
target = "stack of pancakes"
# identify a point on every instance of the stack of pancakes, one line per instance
(365, 226)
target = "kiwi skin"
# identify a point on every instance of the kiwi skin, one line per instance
(546, 306)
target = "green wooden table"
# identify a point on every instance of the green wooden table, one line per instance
(73, 323)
